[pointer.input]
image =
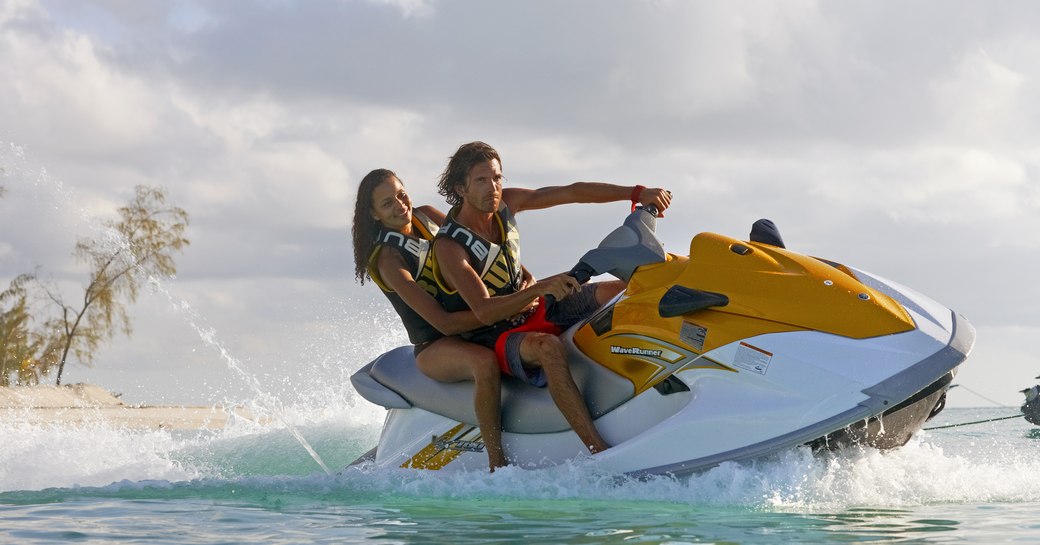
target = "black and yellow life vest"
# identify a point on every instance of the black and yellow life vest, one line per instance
(498, 265)
(417, 252)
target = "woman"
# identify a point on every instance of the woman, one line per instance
(393, 247)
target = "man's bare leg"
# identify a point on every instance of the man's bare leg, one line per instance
(451, 359)
(546, 351)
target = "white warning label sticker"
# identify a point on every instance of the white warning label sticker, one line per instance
(752, 358)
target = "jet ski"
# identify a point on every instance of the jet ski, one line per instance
(736, 351)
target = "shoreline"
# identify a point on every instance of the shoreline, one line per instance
(84, 404)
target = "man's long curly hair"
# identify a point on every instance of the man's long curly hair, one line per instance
(459, 165)
(365, 226)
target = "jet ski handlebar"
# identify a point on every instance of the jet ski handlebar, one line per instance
(632, 244)
(582, 272)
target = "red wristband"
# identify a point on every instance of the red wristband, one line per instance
(634, 197)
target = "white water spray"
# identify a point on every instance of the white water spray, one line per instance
(208, 336)
(63, 197)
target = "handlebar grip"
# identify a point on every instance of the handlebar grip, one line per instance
(579, 272)
(582, 272)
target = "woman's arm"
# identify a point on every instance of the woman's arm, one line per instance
(395, 275)
(435, 215)
(527, 279)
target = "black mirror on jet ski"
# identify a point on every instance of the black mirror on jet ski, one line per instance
(766, 232)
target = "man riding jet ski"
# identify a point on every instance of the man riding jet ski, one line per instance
(736, 351)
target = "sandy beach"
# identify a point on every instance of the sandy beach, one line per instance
(86, 403)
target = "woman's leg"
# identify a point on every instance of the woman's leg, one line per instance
(451, 359)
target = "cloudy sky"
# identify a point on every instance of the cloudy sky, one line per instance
(901, 138)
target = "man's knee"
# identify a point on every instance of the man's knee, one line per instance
(544, 343)
(606, 291)
(544, 348)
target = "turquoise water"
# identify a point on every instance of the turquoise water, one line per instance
(256, 484)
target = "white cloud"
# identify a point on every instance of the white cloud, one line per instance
(61, 91)
(304, 184)
(944, 185)
(410, 8)
(982, 100)
(16, 11)
(236, 125)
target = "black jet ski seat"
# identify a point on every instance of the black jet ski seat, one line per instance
(393, 381)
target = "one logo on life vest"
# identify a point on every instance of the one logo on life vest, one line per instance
(410, 245)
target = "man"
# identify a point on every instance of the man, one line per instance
(478, 254)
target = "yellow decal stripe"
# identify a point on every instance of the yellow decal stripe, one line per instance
(434, 456)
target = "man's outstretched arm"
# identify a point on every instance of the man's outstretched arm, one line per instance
(519, 199)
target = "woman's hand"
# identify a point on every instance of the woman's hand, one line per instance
(528, 279)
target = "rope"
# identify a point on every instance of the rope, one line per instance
(978, 422)
(1001, 405)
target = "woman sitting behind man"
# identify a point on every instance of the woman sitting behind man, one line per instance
(393, 247)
